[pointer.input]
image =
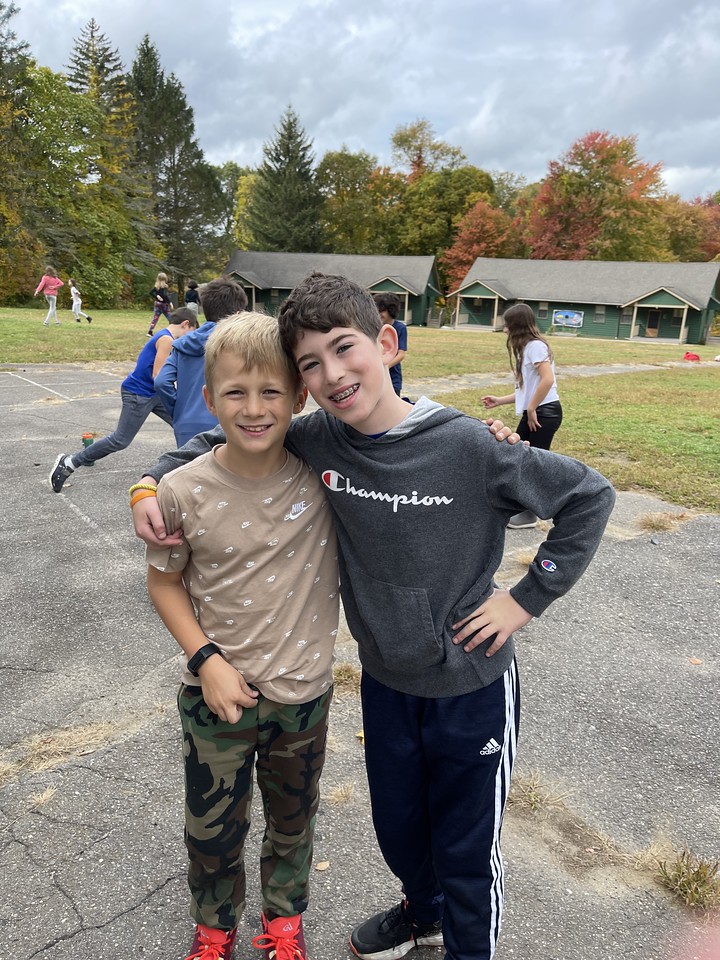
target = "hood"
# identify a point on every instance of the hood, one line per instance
(425, 415)
(193, 344)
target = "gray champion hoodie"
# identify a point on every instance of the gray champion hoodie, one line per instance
(421, 514)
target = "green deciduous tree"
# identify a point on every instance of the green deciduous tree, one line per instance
(285, 205)
(20, 250)
(415, 147)
(508, 188)
(242, 235)
(435, 203)
(349, 215)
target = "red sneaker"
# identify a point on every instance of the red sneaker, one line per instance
(212, 944)
(282, 938)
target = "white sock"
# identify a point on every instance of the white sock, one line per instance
(69, 463)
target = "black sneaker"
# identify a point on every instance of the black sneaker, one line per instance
(392, 934)
(89, 319)
(60, 473)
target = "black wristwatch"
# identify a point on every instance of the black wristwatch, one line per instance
(199, 658)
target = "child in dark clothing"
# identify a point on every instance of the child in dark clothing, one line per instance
(388, 305)
(161, 301)
(192, 297)
(422, 495)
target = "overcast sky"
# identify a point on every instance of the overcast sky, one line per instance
(511, 82)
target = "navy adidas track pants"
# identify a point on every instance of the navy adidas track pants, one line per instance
(439, 773)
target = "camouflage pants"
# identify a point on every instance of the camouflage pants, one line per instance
(287, 744)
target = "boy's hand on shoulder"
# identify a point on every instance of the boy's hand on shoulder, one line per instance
(150, 526)
(225, 690)
(501, 432)
(500, 615)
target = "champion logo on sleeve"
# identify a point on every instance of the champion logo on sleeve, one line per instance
(548, 565)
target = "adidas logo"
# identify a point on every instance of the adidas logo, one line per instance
(492, 746)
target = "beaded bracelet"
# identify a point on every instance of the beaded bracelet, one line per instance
(142, 486)
(140, 495)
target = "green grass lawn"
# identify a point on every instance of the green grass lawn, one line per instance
(657, 431)
(113, 335)
(119, 335)
(439, 353)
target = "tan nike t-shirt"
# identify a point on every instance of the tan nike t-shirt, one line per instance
(260, 564)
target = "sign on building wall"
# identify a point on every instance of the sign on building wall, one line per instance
(568, 318)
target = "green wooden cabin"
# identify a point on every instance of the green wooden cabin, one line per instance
(674, 302)
(268, 278)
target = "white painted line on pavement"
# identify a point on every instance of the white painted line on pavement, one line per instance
(35, 384)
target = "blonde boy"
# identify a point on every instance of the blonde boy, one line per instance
(422, 495)
(251, 596)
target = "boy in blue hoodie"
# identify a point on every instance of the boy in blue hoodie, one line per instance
(422, 495)
(139, 400)
(180, 381)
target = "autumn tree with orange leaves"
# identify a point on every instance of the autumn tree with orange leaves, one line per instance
(599, 201)
(484, 231)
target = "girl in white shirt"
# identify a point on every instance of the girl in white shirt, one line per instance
(536, 398)
(77, 302)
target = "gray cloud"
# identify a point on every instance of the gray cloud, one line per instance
(513, 84)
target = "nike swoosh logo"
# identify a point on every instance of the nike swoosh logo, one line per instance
(298, 510)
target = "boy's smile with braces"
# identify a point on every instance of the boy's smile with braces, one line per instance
(344, 394)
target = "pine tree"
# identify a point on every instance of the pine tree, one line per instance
(285, 207)
(189, 203)
(148, 86)
(114, 231)
(95, 68)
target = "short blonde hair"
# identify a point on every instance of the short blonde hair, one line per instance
(255, 338)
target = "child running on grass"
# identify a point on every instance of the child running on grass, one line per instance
(77, 302)
(251, 596)
(422, 495)
(162, 303)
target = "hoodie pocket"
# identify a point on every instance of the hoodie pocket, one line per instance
(398, 622)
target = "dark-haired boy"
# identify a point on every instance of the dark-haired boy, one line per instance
(388, 305)
(180, 381)
(422, 495)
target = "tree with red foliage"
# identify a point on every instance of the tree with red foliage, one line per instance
(599, 201)
(710, 233)
(484, 231)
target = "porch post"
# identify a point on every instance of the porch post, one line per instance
(683, 333)
(634, 328)
(457, 312)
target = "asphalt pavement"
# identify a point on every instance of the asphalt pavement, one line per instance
(619, 743)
